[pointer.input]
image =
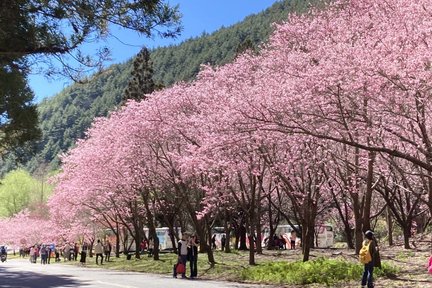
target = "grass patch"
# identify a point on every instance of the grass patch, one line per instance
(386, 270)
(322, 271)
(403, 255)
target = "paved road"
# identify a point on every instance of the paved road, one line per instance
(19, 273)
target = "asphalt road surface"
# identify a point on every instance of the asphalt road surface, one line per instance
(19, 273)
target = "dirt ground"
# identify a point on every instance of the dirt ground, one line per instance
(411, 262)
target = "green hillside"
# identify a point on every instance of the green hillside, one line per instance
(66, 116)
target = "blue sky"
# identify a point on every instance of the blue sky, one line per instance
(198, 16)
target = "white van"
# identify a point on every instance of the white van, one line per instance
(163, 235)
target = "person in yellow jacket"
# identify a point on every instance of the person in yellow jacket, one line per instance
(367, 278)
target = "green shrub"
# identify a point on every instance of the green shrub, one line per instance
(386, 270)
(323, 271)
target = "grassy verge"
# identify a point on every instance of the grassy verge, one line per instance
(322, 270)
(270, 270)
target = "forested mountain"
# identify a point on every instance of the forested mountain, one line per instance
(65, 117)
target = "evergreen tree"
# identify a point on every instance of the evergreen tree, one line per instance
(18, 115)
(35, 28)
(141, 82)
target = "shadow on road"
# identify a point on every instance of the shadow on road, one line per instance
(34, 280)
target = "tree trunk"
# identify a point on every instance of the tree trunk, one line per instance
(227, 229)
(307, 241)
(125, 240)
(117, 249)
(308, 228)
(228, 241)
(173, 239)
(242, 238)
(252, 221)
(349, 237)
(368, 195)
(151, 223)
(389, 226)
(407, 235)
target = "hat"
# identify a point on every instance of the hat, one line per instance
(369, 234)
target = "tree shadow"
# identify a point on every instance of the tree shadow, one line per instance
(25, 279)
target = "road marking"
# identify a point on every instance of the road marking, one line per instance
(117, 285)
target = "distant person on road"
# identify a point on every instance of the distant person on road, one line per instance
(50, 250)
(3, 253)
(2, 250)
(66, 251)
(57, 254)
(99, 252)
(36, 253)
(84, 250)
(44, 254)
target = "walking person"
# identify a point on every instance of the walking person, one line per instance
(66, 251)
(107, 250)
(370, 244)
(36, 253)
(57, 254)
(44, 254)
(193, 256)
(32, 251)
(182, 255)
(99, 251)
(50, 250)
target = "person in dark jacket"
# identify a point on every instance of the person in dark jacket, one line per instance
(367, 278)
(193, 256)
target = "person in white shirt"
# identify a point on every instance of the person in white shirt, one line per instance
(99, 251)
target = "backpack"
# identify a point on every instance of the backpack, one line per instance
(364, 254)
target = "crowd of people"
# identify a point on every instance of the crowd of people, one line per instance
(44, 251)
(284, 241)
(69, 252)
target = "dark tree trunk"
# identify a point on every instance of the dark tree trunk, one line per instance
(407, 235)
(242, 238)
(117, 249)
(173, 239)
(349, 237)
(228, 235)
(389, 226)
